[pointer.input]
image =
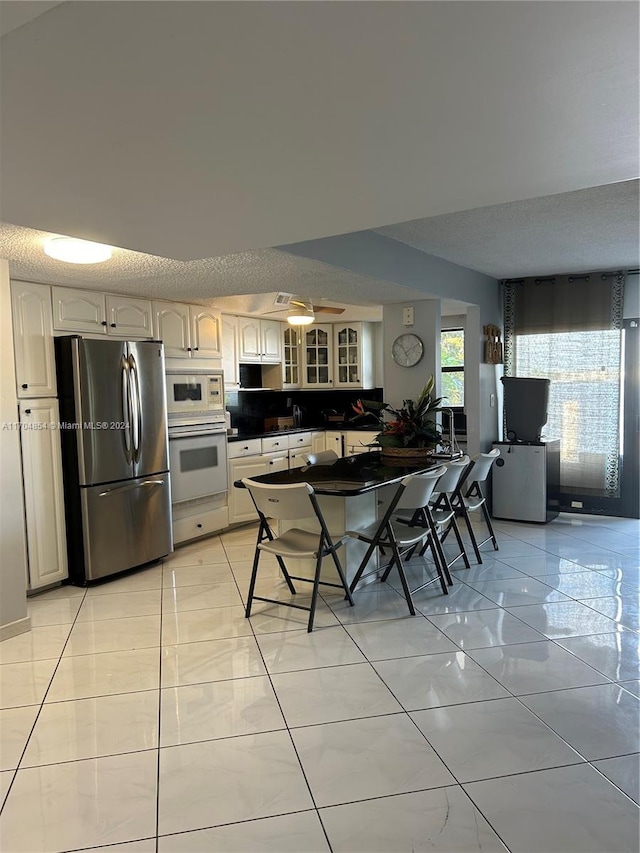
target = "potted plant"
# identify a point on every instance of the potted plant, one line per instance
(408, 431)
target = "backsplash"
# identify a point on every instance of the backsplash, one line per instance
(249, 409)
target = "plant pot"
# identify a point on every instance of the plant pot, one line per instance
(407, 452)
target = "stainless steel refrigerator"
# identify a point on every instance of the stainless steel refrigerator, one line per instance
(113, 413)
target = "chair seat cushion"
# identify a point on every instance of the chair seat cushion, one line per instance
(293, 543)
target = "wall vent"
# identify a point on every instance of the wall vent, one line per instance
(283, 299)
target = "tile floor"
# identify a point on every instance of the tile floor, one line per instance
(148, 714)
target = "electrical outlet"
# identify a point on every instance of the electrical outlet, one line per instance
(407, 316)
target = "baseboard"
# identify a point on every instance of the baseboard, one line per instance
(14, 629)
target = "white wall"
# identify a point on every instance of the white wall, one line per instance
(13, 549)
(402, 383)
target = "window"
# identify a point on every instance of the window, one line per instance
(452, 365)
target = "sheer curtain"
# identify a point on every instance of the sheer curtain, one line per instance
(568, 329)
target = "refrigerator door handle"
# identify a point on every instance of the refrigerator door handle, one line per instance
(130, 486)
(126, 408)
(137, 423)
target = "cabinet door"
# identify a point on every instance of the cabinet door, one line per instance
(318, 442)
(78, 310)
(172, 327)
(249, 339)
(241, 507)
(206, 333)
(230, 351)
(271, 337)
(291, 375)
(317, 354)
(33, 339)
(347, 346)
(129, 317)
(276, 462)
(333, 442)
(44, 501)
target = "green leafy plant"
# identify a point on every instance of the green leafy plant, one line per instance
(412, 425)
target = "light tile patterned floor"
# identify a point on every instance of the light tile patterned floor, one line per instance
(148, 715)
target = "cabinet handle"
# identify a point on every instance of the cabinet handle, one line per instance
(188, 349)
(27, 411)
(199, 524)
(25, 385)
(103, 323)
(113, 325)
(196, 348)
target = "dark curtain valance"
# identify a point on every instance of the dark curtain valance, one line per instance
(567, 303)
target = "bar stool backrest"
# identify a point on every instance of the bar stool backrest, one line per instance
(482, 465)
(285, 503)
(419, 488)
(448, 482)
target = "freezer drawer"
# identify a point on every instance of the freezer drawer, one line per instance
(124, 524)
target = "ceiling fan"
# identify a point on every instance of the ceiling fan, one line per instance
(300, 310)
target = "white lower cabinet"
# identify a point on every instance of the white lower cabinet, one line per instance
(356, 441)
(300, 445)
(241, 506)
(43, 492)
(200, 518)
(318, 442)
(333, 441)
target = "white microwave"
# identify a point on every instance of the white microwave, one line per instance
(196, 395)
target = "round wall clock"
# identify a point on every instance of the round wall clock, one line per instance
(407, 350)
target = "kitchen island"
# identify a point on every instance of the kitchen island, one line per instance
(348, 491)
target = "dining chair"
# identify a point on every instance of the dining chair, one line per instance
(443, 512)
(474, 498)
(400, 539)
(322, 457)
(292, 503)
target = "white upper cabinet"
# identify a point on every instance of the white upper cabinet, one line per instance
(33, 338)
(110, 314)
(79, 310)
(188, 331)
(353, 355)
(230, 351)
(271, 338)
(129, 317)
(172, 327)
(259, 341)
(291, 367)
(206, 332)
(317, 356)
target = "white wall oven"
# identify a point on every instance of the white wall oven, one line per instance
(197, 461)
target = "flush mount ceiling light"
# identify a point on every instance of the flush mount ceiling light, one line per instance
(300, 313)
(73, 251)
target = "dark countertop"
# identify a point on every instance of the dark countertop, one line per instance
(351, 475)
(245, 436)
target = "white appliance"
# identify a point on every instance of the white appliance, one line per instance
(196, 395)
(526, 481)
(197, 434)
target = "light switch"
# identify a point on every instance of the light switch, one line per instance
(407, 316)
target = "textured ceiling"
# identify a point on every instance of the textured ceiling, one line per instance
(212, 280)
(596, 228)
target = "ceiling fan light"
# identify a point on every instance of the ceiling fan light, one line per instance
(301, 319)
(73, 251)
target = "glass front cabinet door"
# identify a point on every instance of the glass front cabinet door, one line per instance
(291, 377)
(353, 353)
(318, 354)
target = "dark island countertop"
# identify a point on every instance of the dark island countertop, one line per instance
(350, 475)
